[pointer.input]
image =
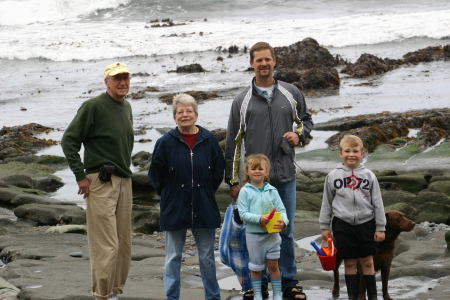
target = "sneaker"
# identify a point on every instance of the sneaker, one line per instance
(114, 297)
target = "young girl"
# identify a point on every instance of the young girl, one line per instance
(257, 198)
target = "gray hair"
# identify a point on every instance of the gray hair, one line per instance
(184, 99)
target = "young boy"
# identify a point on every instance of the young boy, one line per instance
(352, 195)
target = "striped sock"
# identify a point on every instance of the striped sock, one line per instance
(257, 293)
(276, 287)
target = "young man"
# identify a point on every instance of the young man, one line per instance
(104, 126)
(269, 110)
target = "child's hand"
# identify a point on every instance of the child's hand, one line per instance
(326, 234)
(379, 236)
(264, 220)
(280, 225)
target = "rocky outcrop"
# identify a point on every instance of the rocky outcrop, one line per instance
(12, 196)
(198, 96)
(192, 68)
(145, 221)
(141, 160)
(320, 77)
(378, 129)
(50, 214)
(307, 65)
(303, 55)
(367, 65)
(20, 140)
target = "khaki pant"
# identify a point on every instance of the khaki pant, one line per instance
(108, 211)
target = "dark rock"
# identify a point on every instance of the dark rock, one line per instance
(412, 184)
(405, 208)
(192, 68)
(21, 181)
(319, 77)
(372, 136)
(306, 54)
(439, 177)
(376, 129)
(141, 182)
(434, 212)
(198, 96)
(51, 214)
(440, 187)
(16, 197)
(141, 159)
(367, 65)
(51, 160)
(446, 52)
(427, 196)
(424, 55)
(146, 222)
(308, 184)
(308, 201)
(390, 186)
(392, 197)
(140, 132)
(20, 140)
(47, 184)
(220, 134)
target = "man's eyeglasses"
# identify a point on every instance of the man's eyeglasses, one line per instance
(119, 79)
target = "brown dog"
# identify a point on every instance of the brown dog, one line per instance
(396, 222)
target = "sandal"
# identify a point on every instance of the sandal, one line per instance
(293, 291)
(248, 295)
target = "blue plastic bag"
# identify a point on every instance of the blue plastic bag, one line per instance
(233, 247)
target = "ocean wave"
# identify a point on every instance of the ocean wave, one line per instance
(105, 40)
(42, 11)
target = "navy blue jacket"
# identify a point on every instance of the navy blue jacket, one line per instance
(187, 179)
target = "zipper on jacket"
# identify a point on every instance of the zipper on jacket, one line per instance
(192, 176)
(354, 203)
(274, 148)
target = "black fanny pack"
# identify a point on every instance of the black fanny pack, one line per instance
(106, 172)
(285, 147)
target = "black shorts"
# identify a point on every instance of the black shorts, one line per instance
(354, 241)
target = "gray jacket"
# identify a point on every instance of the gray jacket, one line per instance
(352, 196)
(264, 125)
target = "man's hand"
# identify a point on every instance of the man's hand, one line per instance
(83, 187)
(292, 138)
(234, 191)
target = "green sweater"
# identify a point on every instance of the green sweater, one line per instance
(105, 128)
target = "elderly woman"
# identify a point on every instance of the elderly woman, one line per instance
(186, 169)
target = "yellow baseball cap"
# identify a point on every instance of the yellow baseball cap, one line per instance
(116, 68)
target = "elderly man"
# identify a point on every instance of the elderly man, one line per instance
(104, 126)
(262, 118)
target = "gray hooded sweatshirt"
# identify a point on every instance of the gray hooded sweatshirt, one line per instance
(353, 196)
